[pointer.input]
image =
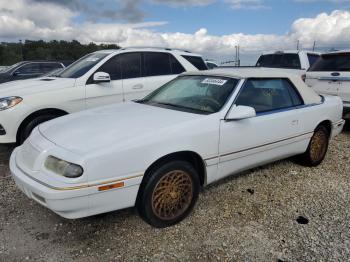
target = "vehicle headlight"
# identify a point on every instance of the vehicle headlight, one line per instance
(63, 168)
(8, 102)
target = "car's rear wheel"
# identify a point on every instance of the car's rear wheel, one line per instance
(25, 132)
(317, 148)
(168, 194)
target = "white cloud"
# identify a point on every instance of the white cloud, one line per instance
(185, 2)
(19, 20)
(246, 4)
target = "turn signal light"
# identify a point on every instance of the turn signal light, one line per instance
(113, 186)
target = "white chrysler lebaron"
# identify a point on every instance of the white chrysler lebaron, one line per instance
(155, 153)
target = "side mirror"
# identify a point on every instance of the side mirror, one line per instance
(101, 77)
(240, 112)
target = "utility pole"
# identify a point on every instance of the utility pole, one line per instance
(237, 59)
(21, 48)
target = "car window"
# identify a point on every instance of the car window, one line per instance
(268, 94)
(176, 67)
(196, 61)
(195, 94)
(312, 58)
(156, 64)
(48, 67)
(290, 61)
(130, 65)
(29, 69)
(112, 67)
(332, 62)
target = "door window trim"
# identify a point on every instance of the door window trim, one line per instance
(273, 111)
(90, 81)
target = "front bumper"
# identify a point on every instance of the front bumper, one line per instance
(75, 203)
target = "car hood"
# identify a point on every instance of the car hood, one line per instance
(119, 124)
(32, 86)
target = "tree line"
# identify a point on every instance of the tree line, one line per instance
(69, 51)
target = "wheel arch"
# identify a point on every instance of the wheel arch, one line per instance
(189, 156)
(327, 124)
(33, 115)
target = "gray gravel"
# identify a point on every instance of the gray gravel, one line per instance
(250, 217)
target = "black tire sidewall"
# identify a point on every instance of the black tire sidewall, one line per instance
(27, 130)
(309, 160)
(145, 203)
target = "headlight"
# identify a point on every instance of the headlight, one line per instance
(63, 168)
(8, 102)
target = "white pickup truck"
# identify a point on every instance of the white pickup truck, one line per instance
(294, 60)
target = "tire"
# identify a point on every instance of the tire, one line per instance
(317, 148)
(168, 194)
(28, 128)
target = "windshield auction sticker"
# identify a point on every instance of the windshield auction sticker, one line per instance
(214, 81)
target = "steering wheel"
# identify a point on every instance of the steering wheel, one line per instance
(211, 102)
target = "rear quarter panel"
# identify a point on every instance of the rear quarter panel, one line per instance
(329, 110)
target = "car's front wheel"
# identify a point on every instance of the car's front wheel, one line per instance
(317, 148)
(25, 132)
(168, 194)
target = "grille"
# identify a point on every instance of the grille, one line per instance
(28, 155)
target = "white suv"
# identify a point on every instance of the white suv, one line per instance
(100, 78)
(331, 75)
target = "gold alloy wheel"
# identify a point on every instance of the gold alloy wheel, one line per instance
(172, 195)
(318, 146)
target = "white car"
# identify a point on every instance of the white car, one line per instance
(100, 78)
(296, 61)
(155, 153)
(331, 75)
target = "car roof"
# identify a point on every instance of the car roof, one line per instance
(338, 52)
(290, 52)
(41, 61)
(148, 49)
(247, 72)
(309, 96)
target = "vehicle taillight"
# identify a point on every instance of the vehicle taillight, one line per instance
(303, 77)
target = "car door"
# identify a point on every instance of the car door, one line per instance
(133, 82)
(274, 132)
(30, 70)
(98, 94)
(159, 68)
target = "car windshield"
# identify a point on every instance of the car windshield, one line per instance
(8, 69)
(194, 94)
(80, 67)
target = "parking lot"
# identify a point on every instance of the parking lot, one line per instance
(279, 212)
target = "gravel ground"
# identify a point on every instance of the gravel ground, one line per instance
(279, 212)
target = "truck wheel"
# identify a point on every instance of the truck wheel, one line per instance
(168, 194)
(317, 148)
(28, 128)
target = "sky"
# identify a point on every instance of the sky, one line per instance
(209, 27)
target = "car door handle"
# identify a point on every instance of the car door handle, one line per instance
(138, 86)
